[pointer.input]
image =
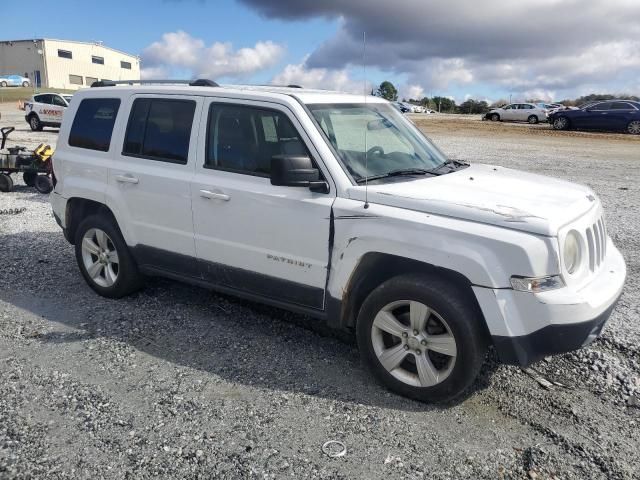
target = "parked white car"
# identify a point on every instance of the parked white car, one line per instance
(46, 110)
(273, 194)
(518, 112)
(14, 81)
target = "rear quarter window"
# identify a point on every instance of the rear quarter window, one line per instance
(93, 124)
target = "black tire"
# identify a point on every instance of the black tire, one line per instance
(128, 279)
(35, 123)
(3, 84)
(43, 184)
(6, 183)
(465, 323)
(25, 84)
(533, 119)
(29, 178)
(494, 117)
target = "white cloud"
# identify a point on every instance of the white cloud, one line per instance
(413, 91)
(561, 47)
(180, 52)
(321, 78)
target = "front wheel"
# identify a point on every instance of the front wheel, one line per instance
(634, 127)
(43, 184)
(561, 123)
(532, 119)
(35, 124)
(25, 84)
(104, 258)
(421, 337)
(495, 117)
(3, 84)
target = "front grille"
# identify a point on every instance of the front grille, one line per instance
(596, 243)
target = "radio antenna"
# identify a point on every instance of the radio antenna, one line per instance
(366, 156)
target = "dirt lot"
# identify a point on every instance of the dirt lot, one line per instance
(177, 382)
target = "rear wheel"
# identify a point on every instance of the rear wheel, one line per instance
(495, 117)
(561, 123)
(104, 258)
(25, 84)
(532, 119)
(634, 127)
(6, 183)
(34, 123)
(29, 178)
(43, 184)
(3, 84)
(421, 337)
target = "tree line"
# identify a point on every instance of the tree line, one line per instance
(447, 105)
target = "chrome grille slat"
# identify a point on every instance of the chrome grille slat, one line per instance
(591, 247)
(596, 239)
(603, 241)
(596, 234)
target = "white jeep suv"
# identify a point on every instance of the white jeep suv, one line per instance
(336, 207)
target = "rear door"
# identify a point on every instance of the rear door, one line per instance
(266, 240)
(621, 114)
(150, 177)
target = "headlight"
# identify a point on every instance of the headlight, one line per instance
(571, 252)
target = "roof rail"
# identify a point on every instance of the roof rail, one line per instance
(200, 82)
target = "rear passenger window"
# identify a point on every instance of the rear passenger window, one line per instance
(93, 124)
(243, 139)
(160, 129)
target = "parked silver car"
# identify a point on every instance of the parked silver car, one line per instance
(517, 112)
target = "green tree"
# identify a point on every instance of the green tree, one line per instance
(473, 106)
(444, 104)
(388, 91)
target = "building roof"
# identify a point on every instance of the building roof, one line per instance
(97, 44)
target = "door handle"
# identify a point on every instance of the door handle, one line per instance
(126, 179)
(214, 196)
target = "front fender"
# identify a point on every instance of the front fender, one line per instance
(485, 254)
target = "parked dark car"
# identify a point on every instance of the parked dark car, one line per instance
(613, 115)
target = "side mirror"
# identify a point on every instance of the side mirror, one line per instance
(296, 171)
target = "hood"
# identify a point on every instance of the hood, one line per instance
(487, 194)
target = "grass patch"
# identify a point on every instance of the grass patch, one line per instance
(13, 94)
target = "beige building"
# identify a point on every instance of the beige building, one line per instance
(66, 64)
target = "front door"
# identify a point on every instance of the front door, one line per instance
(596, 117)
(509, 112)
(150, 179)
(251, 236)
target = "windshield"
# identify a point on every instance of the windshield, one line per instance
(374, 139)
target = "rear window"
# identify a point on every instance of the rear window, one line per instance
(160, 129)
(93, 124)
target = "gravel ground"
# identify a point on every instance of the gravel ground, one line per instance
(177, 382)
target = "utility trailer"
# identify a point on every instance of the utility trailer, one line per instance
(35, 166)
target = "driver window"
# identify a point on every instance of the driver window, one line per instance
(243, 139)
(58, 101)
(508, 107)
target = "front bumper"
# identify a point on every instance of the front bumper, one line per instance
(525, 327)
(550, 340)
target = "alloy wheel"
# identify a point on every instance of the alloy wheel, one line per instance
(100, 257)
(414, 343)
(634, 127)
(560, 123)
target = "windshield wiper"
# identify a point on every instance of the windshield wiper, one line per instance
(396, 173)
(451, 165)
